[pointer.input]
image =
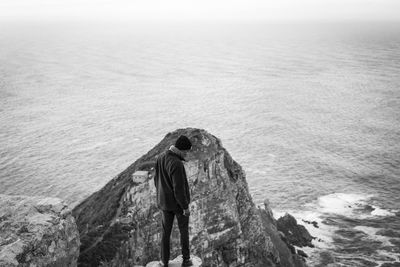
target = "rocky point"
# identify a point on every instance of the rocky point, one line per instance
(120, 224)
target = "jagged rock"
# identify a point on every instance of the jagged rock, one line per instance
(177, 262)
(226, 228)
(287, 252)
(296, 234)
(292, 248)
(314, 223)
(268, 211)
(302, 253)
(37, 232)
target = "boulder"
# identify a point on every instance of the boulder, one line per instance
(120, 224)
(37, 232)
(296, 234)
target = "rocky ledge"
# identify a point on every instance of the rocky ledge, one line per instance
(120, 224)
(37, 232)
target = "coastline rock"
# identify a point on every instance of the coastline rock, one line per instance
(314, 223)
(268, 212)
(120, 224)
(287, 252)
(37, 232)
(302, 253)
(296, 234)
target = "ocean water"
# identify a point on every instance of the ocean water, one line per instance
(311, 111)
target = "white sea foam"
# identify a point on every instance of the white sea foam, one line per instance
(371, 231)
(382, 212)
(354, 205)
(341, 203)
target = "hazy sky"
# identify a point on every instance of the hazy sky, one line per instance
(202, 9)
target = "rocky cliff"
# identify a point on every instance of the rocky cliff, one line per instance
(37, 232)
(120, 224)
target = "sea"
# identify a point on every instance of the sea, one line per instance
(310, 110)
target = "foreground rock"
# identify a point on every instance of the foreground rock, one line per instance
(120, 224)
(177, 262)
(296, 234)
(37, 232)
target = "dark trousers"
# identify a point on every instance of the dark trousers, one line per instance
(167, 223)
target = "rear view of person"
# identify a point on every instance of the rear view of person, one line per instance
(173, 197)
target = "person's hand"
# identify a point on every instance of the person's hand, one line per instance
(186, 212)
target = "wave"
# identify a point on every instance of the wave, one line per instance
(348, 227)
(354, 205)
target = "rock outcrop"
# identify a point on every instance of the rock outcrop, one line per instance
(37, 232)
(120, 224)
(288, 254)
(296, 234)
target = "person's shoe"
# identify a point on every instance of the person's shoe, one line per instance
(187, 263)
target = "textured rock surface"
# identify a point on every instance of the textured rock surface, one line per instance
(120, 224)
(296, 234)
(37, 232)
(177, 262)
(287, 252)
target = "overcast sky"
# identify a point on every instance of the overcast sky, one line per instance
(203, 9)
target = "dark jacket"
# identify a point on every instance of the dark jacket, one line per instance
(171, 182)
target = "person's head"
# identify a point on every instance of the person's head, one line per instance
(183, 144)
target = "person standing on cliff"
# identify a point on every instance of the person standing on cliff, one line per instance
(173, 197)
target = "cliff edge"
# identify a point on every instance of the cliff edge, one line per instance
(120, 224)
(37, 232)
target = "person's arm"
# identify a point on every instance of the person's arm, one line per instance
(178, 176)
